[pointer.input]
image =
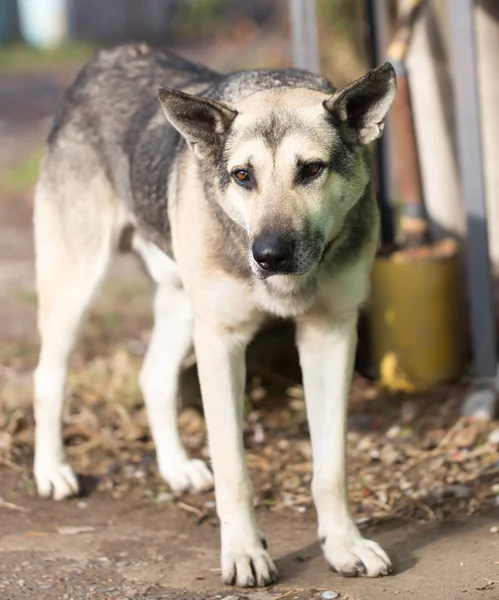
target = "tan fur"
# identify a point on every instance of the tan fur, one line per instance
(203, 298)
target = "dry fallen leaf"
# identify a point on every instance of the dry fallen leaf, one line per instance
(75, 530)
(11, 506)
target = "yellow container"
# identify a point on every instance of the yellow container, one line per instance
(417, 321)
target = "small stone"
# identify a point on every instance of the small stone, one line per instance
(494, 529)
(82, 504)
(210, 504)
(480, 405)
(330, 595)
(301, 509)
(164, 497)
(231, 598)
(123, 563)
(45, 586)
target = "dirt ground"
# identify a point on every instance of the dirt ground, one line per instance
(127, 538)
(128, 549)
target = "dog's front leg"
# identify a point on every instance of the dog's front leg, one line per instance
(221, 366)
(327, 348)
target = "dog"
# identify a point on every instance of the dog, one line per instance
(253, 198)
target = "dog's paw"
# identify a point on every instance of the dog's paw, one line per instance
(56, 480)
(248, 565)
(359, 557)
(188, 476)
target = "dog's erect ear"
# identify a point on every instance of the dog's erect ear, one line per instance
(359, 109)
(201, 121)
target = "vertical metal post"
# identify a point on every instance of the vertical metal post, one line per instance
(472, 181)
(377, 11)
(304, 32)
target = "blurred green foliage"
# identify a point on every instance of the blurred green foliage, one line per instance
(199, 18)
(21, 58)
(21, 177)
(341, 14)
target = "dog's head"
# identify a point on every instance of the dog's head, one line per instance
(288, 163)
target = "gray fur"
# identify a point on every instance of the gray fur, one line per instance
(358, 110)
(252, 198)
(112, 106)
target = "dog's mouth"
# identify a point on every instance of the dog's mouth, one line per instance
(261, 274)
(327, 247)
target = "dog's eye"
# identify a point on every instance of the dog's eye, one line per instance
(241, 176)
(311, 171)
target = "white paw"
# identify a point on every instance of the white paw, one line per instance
(357, 557)
(188, 476)
(247, 564)
(56, 480)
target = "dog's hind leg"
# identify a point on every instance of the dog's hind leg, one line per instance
(73, 226)
(159, 378)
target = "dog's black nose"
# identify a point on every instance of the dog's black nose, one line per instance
(273, 252)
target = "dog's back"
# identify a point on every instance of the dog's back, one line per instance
(110, 121)
(114, 96)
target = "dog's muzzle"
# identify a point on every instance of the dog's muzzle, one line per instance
(282, 253)
(273, 253)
